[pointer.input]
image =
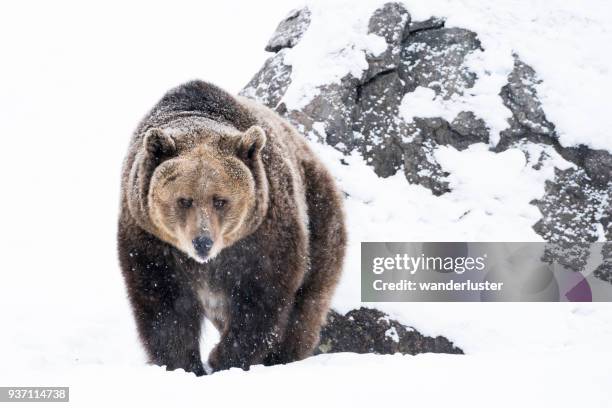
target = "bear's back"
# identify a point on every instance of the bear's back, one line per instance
(198, 98)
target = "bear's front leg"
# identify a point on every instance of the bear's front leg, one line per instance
(170, 331)
(254, 328)
(168, 313)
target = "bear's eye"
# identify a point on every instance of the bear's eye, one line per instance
(185, 202)
(219, 203)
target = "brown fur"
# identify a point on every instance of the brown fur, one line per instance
(248, 181)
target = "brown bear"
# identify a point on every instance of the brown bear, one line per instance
(227, 214)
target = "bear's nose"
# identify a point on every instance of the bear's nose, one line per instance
(202, 245)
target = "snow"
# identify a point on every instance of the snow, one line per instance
(488, 205)
(392, 334)
(76, 78)
(358, 380)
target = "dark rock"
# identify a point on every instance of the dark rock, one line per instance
(575, 200)
(571, 255)
(274, 73)
(390, 23)
(427, 47)
(465, 130)
(375, 117)
(367, 330)
(426, 51)
(528, 121)
(333, 108)
(604, 271)
(432, 23)
(420, 166)
(290, 30)
(570, 208)
(598, 165)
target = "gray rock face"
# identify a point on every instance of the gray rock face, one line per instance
(528, 121)
(375, 118)
(363, 114)
(598, 165)
(434, 58)
(432, 23)
(571, 208)
(390, 23)
(290, 30)
(367, 330)
(420, 166)
(604, 271)
(274, 73)
(330, 107)
(575, 201)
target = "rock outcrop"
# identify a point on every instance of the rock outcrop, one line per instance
(368, 330)
(363, 114)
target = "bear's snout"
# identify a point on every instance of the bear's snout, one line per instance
(202, 245)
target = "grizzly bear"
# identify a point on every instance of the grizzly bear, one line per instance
(227, 214)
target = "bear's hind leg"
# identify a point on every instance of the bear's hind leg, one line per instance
(327, 246)
(302, 333)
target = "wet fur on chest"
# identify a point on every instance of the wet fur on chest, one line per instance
(253, 270)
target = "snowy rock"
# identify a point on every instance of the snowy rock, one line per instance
(571, 208)
(275, 75)
(420, 166)
(604, 271)
(435, 58)
(596, 163)
(575, 200)
(528, 120)
(574, 212)
(362, 113)
(333, 108)
(429, 24)
(290, 30)
(403, 90)
(367, 330)
(390, 23)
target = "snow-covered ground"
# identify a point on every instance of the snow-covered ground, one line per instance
(74, 80)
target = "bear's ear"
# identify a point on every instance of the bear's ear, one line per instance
(158, 145)
(251, 143)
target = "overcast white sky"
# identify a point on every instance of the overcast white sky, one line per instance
(134, 51)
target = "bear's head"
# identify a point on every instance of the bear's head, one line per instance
(204, 194)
